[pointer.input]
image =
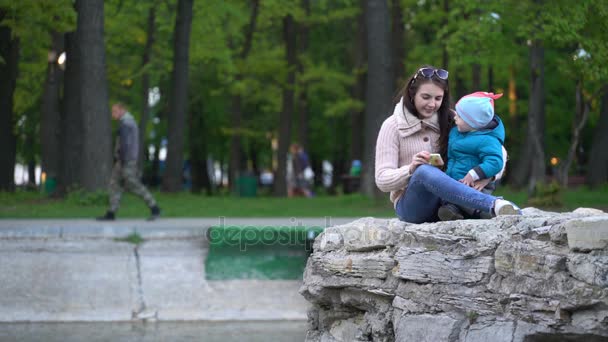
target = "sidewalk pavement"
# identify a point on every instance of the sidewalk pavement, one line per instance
(75, 271)
(161, 228)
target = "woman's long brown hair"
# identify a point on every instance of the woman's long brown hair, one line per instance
(408, 92)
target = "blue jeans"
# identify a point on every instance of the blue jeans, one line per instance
(429, 187)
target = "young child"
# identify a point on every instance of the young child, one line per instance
(475, 147)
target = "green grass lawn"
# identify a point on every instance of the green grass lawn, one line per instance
(36, 205)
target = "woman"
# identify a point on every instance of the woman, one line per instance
(419, 126)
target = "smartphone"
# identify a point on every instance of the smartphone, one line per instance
(436, 159)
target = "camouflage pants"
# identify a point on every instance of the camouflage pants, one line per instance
(127, 174)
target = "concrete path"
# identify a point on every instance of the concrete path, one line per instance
(256, 331)
(162, 228)
(76, 270)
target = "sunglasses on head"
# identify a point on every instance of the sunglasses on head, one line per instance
(429, 72)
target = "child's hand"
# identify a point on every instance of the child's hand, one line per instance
(468, 180)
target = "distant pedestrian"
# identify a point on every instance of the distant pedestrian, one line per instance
(124, 171)
(301, 179)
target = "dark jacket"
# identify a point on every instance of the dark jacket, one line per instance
(128, 138)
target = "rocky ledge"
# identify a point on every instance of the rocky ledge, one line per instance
(538, 277)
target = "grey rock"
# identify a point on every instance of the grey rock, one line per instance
(588, 233)
(493, 331)
(514, 278)
(525, 331)
(361, 265)
(590, 268)
(424, 266)
(426, 328)
(344, 330)
(331, 239)
(593, 319)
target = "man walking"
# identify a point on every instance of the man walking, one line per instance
(125, 165)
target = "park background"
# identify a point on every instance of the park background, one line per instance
(224, 87)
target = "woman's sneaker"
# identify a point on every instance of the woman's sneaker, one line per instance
(502, 207)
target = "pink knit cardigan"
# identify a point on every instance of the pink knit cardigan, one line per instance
(401, 136)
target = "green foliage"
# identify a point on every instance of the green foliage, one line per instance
(82, 197)
(547, 196)
(34, 19)
(31, 22)
(491, 34)
(133, 238)
(472, 316)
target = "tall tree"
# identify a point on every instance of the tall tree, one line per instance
(303, 117)
(198, 151)
(580, 31)
(476, 77)
(379, 87)
(530, 169)
(96, 162)
(145, 84)
(178, 98)
(598, 158)
(50, 121)
(9, 53)
(398, 44)
(581, 116)
(445, 58)
(359, 56)
(236, 143)
(71, 133)
(286, 117)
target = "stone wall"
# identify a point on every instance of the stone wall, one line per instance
(535, 278)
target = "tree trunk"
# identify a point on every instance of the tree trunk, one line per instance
(459, 86)
(358, 92)
(9, 51)
(71, 134)
(580, 120)
(31, 172)
(446, 22)
(254, 152)
(178, 100)
(490, 79)
(476, 78)
(50, 121)
(289, 33)
(531, 167)
(198, 152)
(598, 158)
(379, 87)
(155, 169)
(303, 119)
(445, 54)
(145, 86)
(236, 142)
(97, 145)
(398, 45)
(512, 99)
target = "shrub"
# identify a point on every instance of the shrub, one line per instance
(547, 195)
(82, 197)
